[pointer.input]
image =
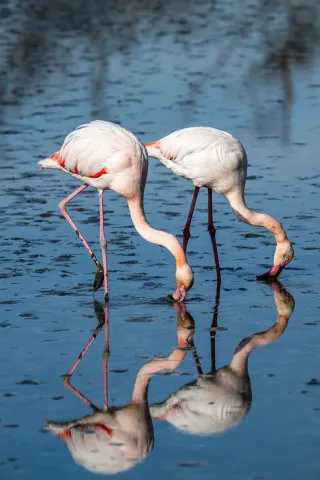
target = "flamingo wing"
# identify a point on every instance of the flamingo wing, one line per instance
(91, 149)
(188, 141)
(94, 149)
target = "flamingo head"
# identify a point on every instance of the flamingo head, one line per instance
(283, 255)
(184, 281)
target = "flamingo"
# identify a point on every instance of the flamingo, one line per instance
(105, 156)
(216, 160)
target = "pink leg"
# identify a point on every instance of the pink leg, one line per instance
(62, 206)
(103, 244)
(186, 230)
(212, 232)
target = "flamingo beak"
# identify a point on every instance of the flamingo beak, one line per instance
(274, 272)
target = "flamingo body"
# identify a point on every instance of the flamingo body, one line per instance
(104, 156)
(207, 157)
(216, 160)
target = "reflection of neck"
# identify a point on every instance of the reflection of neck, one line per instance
(154, 236)
(247, 345)
(145, 374)
(214, 326)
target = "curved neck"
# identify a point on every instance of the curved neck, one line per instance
(240, 358)
(154, 236)
(145, 374)
(238, 205)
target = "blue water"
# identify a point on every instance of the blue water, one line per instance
(156, 70)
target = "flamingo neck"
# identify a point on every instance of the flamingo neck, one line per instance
(238, 204)
(154, 236)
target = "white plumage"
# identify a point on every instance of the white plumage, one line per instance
(206, 156)
(216, 160)
(104, 156)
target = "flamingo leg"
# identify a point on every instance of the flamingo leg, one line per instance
(186, 230)
(212, 233)
(62, 205)
(103, 244)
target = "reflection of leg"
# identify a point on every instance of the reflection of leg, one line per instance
(66, 380)
(186, 230)
(62, 206)
(105, 356)
(84, 351)
(196, 358)
(213, 329)
(212, 233)
(103, 244)
(66, 383)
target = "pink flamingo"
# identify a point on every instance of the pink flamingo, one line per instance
(216, 160)
(105, 156)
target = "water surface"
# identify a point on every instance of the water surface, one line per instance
(249, 70)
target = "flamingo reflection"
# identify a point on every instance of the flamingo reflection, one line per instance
(222, 398)
(113, 440)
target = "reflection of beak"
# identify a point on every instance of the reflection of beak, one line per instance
(274, 272)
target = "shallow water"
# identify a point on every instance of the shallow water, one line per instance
(156, 70)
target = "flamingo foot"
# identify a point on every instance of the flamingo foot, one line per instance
(274, 272)
(98, 280)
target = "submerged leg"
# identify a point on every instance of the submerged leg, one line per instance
(103, 244)
(62, 206)
(186, 230)
(212, 233)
